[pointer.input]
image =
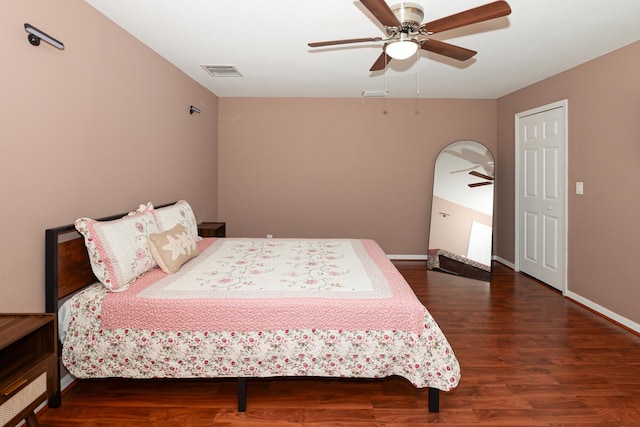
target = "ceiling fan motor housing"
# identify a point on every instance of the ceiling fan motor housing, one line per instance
(410, 15)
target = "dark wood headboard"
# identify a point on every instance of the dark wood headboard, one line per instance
(67, 266)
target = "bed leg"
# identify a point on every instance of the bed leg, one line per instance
(242, 394)
(55, 400)
(434, 400)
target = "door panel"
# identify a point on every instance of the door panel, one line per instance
(550, 244)
(550, 174)
(530, 201)
(531, 173)
(530, 253)
(542, 193)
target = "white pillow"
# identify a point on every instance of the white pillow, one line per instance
(168, 216)
(172, 248)
(118, 249)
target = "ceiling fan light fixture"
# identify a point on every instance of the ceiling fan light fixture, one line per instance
(402, 48)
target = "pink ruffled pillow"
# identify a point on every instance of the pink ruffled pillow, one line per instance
(118, 249)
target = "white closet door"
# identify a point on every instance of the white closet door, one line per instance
(542, 195)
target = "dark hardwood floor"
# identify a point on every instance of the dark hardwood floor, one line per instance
(529, 357)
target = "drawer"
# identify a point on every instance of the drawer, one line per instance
(22, 396)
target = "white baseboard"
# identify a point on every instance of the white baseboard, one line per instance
(424, 258)
(505, 262)
(628, 323)
(408, 257)
(66, 381)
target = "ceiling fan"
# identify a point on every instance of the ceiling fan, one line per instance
(478, 160)
(405, 34)
(489, 179)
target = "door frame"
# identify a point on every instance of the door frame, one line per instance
(559, 104)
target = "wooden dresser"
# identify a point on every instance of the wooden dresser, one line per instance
(28, 365)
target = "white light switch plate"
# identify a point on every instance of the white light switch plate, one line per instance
(579, 188)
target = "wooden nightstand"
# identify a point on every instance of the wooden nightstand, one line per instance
(28, 365)
(212, 229)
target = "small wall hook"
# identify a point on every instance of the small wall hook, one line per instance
(193, 109)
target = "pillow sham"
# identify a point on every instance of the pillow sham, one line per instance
(172, 248)
(178, 213)
(118, 250)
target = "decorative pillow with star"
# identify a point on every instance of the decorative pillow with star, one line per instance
(172, 248)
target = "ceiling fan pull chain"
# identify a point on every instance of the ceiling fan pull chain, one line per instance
(386, 91)
(417, 74)
(417, 84)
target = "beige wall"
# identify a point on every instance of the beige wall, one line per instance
(92, 130)
(339, 167)
(603, 152)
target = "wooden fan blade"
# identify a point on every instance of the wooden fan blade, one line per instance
(471, 16)
(346, 41)
(481, 175)
(381, 63)
(480, 184)
(446, 49)
(382, 12)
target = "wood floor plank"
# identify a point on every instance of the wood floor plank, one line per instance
(528, 356)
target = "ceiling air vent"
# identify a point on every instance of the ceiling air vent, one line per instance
(222, 70)
(374, 93)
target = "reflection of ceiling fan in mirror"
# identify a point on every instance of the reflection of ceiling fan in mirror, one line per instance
(489, 179)
(405, 35)
(482, 160)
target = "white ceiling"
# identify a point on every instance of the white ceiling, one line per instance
(266, 40)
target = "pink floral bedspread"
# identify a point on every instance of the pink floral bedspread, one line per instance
(340, 309)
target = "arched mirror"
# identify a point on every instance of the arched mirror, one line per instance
(460, 240)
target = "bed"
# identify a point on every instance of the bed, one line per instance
(244, 308)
